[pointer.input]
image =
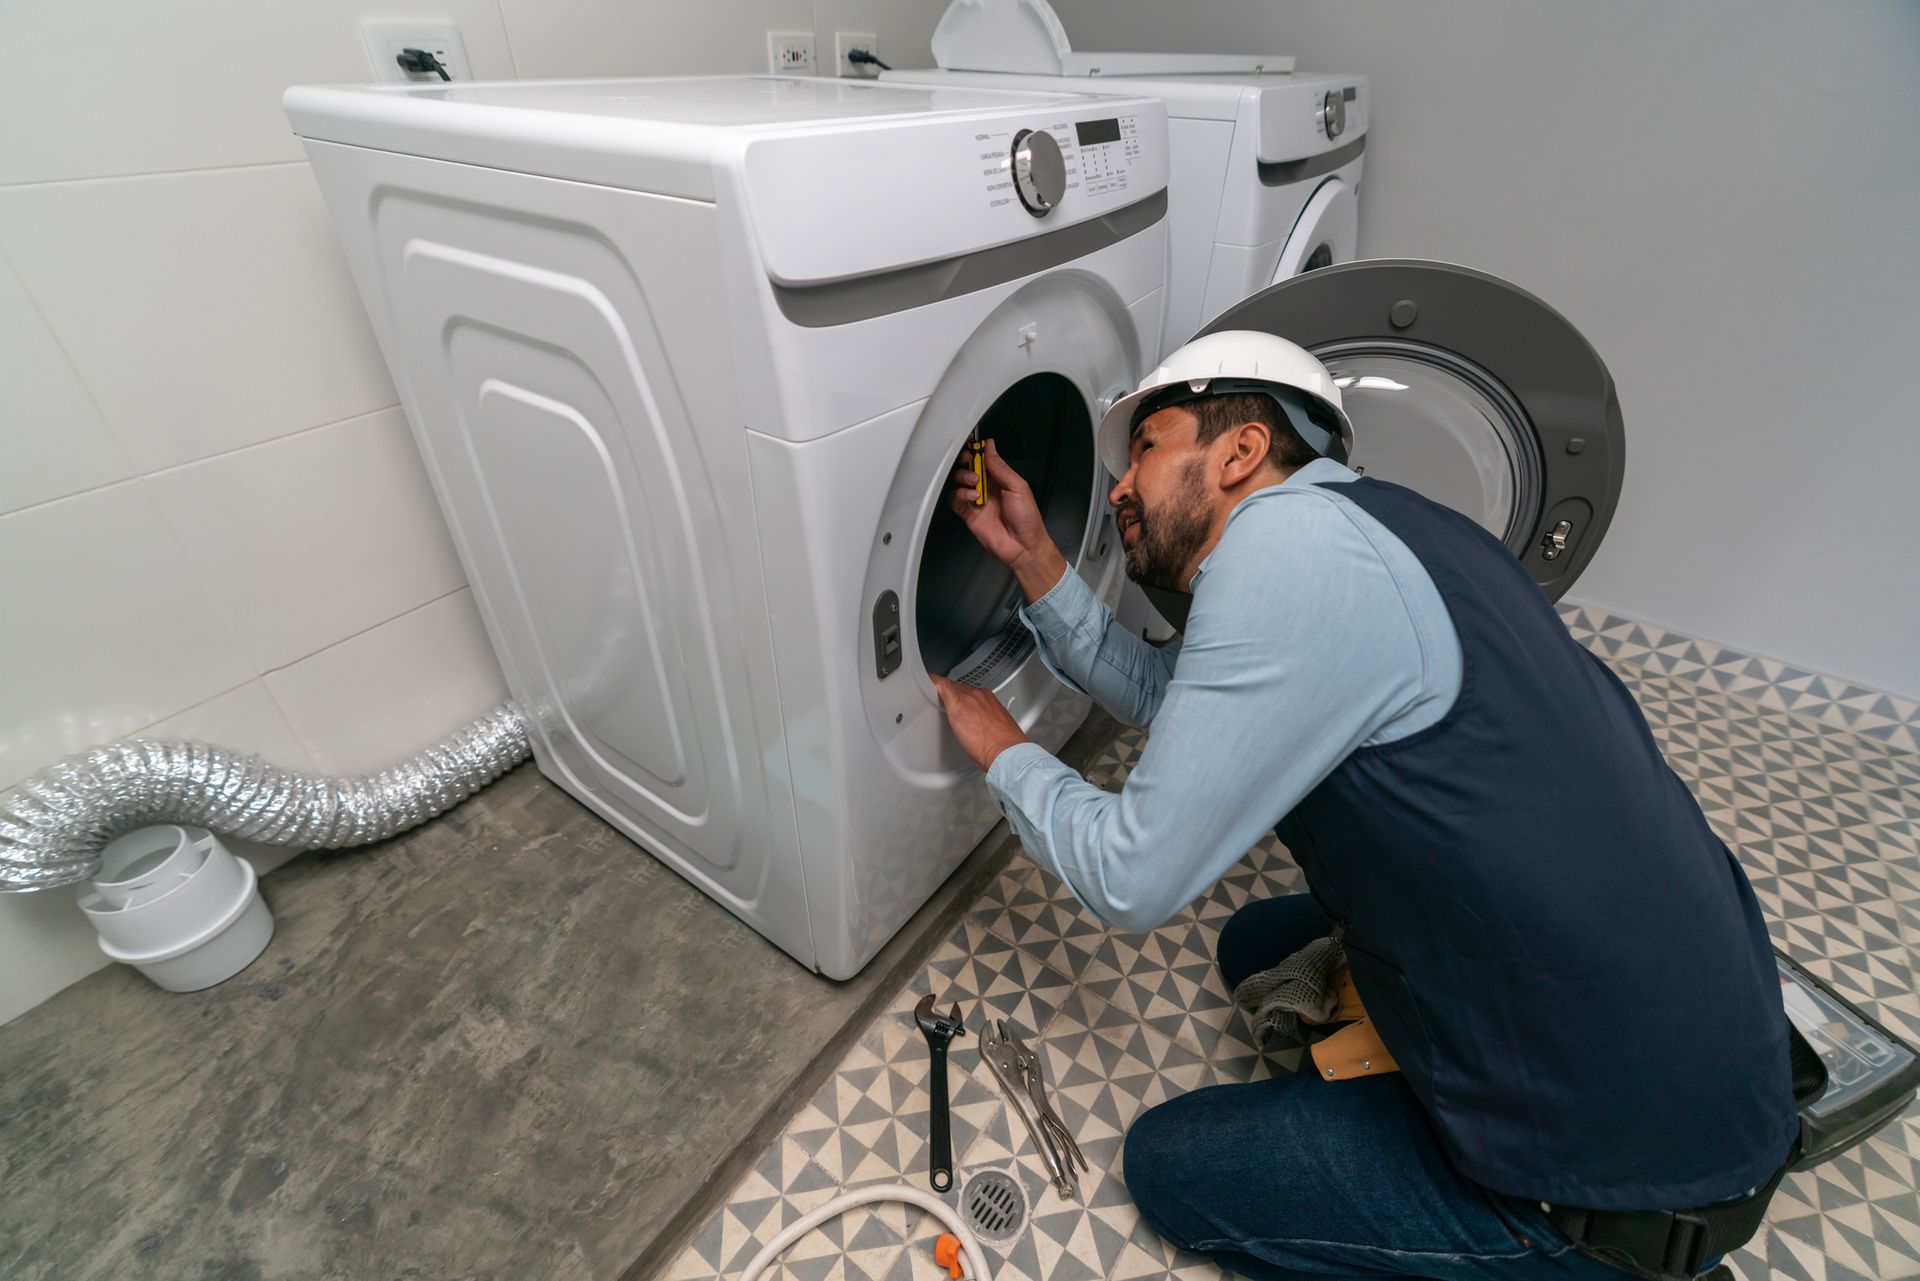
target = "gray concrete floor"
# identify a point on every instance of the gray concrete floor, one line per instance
(508, 1044)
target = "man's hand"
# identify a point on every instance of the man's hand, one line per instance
(1009, 525)
(984, 728)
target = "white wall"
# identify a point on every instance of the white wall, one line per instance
(213, 522)
(1725, 196)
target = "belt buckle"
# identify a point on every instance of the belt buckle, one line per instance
(1653, 1242)
(1686, 1245)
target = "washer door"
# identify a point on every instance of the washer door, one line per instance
(1464, 388)
(1325, 235)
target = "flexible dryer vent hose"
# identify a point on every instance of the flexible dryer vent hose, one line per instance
(53, 826)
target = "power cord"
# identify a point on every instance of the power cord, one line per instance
(420, 61)
(861, 58)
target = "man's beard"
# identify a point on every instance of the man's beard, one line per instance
(1172, 536)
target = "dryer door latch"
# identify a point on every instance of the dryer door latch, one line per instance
(886, 634)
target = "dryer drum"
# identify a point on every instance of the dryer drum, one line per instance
(966, 614)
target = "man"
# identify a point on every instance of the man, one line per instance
(1568, 967)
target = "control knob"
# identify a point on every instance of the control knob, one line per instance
(1333, 114)
(1039, 171)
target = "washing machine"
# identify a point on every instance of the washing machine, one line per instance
(1266, 161)
(690, 362)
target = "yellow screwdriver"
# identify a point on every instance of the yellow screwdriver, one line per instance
(978, 452)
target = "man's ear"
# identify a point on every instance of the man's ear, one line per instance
(1250, 443)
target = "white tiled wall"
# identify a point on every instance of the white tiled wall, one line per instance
(213, 522)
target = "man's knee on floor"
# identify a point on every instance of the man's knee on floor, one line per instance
(1159, 1146)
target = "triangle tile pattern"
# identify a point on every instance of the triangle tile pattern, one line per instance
(1838, 704)
(1814, 783)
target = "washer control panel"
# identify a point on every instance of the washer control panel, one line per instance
(1040, 168)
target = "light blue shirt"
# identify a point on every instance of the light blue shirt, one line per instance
(1314, 631)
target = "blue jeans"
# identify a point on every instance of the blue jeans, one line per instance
(1299, 1177)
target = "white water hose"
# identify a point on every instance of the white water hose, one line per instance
(976, 1257)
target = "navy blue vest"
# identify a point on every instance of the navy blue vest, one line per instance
(1568, 964)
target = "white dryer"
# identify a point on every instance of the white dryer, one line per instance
(690, 362)
(1265, 163)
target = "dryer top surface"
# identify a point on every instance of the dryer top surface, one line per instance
(709, 102)
(667, 136)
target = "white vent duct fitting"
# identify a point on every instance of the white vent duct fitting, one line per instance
(176, 905)
(53, 826)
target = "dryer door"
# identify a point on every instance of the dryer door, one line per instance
(1325, 235)
(1033, 378)
(1467, 389)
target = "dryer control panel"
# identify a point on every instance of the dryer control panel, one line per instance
(1043, 167)
(833, 203)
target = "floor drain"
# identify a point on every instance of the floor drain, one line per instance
(996, 1206)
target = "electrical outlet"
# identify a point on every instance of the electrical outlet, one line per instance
(385, 40)
(790, 53)
(844, 43)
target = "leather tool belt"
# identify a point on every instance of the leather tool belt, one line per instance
(1309, 998)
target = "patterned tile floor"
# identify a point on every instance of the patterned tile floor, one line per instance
(1814, 783)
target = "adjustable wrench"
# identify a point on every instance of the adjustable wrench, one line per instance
(939, 1029)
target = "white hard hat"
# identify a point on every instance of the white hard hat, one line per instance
(1234, 360)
